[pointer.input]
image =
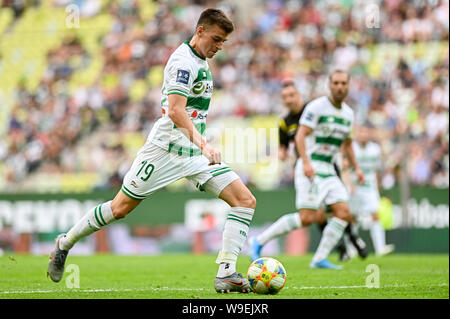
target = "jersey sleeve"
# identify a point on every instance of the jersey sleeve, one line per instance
(350, 132)
(284, 138)
(310, 116)
(180, 77)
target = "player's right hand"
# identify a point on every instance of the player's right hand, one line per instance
(308, 170)
(214, 156)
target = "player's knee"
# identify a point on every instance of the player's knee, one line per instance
(119, 210)
(344, 214)
(248, 201)
(119, 214)
(307, 218)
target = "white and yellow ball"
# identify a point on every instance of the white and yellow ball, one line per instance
(266, 276)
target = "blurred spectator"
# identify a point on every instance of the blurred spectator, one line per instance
(57, 129)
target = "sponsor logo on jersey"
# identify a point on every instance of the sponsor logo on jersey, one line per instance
(198, 88)
(309, 116)
(183, 76)
(198, 115)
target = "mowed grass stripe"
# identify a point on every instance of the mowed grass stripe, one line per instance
(202, 289)
(188, 276)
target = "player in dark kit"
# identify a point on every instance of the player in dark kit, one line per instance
(288, 126)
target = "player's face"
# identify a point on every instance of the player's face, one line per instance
(339, 83)
(211, 40)
(291, 97)
(363, 134)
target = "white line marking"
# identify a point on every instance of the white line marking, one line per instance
(196, 289)
(364, 286)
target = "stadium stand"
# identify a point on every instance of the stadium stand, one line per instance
(77, 101)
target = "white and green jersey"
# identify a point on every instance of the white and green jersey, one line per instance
(369, 160)
(331, 126)
(187, 74)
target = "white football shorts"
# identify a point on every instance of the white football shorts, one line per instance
(155, 168)
(364, 202)
(323, 190)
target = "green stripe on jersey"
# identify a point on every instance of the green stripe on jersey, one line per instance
(322, 158)
(186, 151)
(325, 175)
(179, 92)
(334, 119)
(202, 75)
(367, 158)
(200, 103)
(329, 140)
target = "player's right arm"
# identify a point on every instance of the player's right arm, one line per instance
(308, 122)
(178, 115)
(300, 143)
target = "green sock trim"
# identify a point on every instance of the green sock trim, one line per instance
(239, 217)
(238, 220)
(96, 217)
(100, 213)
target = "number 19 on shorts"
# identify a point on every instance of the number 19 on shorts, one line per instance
(146, 170)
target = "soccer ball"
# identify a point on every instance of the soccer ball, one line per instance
(266, 276)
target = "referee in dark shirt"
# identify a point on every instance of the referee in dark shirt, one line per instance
(288, 126)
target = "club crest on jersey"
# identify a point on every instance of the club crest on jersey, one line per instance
(183, 76)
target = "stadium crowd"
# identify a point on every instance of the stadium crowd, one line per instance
(401, 96)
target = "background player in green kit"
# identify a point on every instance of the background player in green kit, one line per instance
(288, 127)
(325, 124)
(176, 148)
(365, 199)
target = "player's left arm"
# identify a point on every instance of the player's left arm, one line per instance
(350, 154)
(378, 170)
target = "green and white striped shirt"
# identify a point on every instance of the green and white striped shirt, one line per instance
(186, 74)
(369, 160)
(331, 126)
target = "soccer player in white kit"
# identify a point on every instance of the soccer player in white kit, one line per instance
(325, 125)
(365, 198)
(176, 148)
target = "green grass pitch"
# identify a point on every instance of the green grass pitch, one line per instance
(185, 276)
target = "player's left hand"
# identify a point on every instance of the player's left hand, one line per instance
(360, 176)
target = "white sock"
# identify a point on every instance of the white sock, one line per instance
(378, 236)
(234, 235)
(283, 225)
(226, 269)
(330, 237)
(351, 250)
(93, 220)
